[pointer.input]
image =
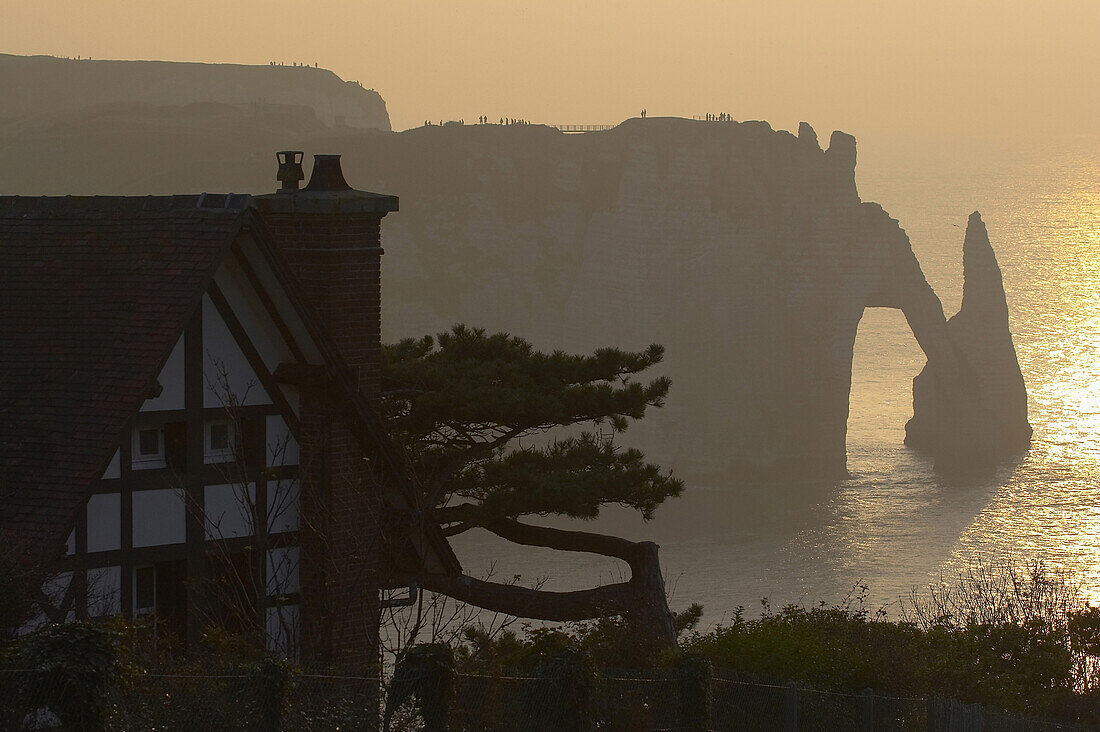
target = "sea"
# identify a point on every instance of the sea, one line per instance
(896, 528)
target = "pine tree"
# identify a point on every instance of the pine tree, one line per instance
(461, 403)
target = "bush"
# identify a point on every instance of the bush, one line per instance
(68, 671)
(1020, 639)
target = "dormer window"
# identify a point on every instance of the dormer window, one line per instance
(148, 448)
(219, 440)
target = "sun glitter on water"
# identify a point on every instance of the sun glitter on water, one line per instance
(1049, 508)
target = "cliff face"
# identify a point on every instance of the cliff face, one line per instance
(747, 252)
(44, 85)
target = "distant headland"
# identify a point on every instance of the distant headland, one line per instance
(43, 85)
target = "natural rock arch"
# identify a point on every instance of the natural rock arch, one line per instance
(969, 401)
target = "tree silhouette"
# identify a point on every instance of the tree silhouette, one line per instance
(460, 403)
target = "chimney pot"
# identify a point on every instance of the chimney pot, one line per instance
(327, 175)
(290, 170)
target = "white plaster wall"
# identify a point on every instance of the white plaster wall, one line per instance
(282, 570)
(160, 517)
(104, 591)
(283, 305)
(221, 353)
(282, 448)
(171, 381)
(282, 628)
(104, 522)
(228, 509)
(55, 587)
(114, 470)
(293, 398)
(252, 314)
(283, 499)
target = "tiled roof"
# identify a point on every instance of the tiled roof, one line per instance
(94, 292)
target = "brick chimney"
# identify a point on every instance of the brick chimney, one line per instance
(329, 234)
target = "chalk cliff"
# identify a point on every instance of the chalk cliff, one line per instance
(746, 251)
(31, 86)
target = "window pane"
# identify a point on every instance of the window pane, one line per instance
(219, 436)
(149, 442)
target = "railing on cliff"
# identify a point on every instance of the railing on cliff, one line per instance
(583, 128)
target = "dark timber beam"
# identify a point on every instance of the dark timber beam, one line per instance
(265, 298)
(194, 497)
(253, 356)
(300, 374)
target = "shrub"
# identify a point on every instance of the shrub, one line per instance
(69, 669)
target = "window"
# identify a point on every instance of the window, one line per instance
(219, 436)
(148, 443)
(161, 589)
(145, 590)
(148, 448)
(219, 442)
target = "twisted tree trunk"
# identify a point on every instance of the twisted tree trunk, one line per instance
(642, 597)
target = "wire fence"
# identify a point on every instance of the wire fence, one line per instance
(747, 706)
(268, 698)
(264, 699)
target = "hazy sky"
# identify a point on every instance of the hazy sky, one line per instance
(862, 66)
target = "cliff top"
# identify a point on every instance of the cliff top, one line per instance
(32, 86)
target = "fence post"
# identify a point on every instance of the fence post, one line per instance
(696, 693)
(867, 711)
(932, 707)
(437, 694)
(977, 718)
(570, 682)
(425, 673)
(272, 681)
(790, 707)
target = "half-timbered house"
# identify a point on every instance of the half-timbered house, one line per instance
(187, 422)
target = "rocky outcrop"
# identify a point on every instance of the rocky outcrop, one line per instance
(746, 251)
(974, 411)
(31, 86)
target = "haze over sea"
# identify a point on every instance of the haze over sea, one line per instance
(896, 525)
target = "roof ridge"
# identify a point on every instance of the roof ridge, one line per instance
(78, 206)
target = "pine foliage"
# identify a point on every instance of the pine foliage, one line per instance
(473, 411)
